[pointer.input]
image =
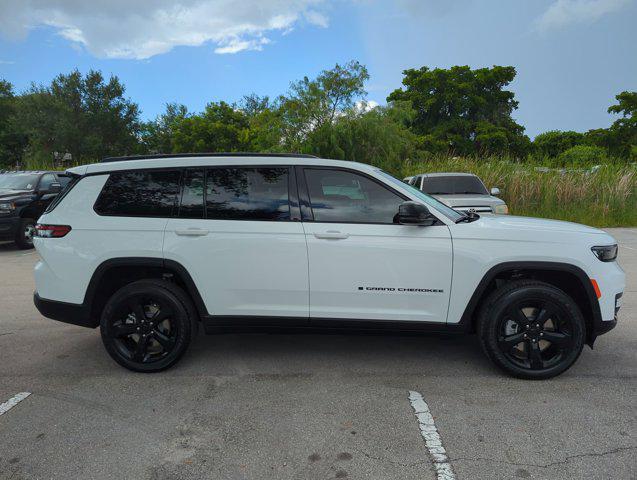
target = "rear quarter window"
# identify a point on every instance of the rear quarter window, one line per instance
(139, 194)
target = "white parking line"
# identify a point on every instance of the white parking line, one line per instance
(13, 401)
(433, 441)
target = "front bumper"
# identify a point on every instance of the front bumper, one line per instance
(8, 227)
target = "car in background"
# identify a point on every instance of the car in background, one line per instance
(24, 196)
(461, 191)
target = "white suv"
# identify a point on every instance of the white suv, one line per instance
(149, 248)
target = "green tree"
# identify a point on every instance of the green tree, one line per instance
(555, 142)
(376, 136)
(265, 124)
(312, 105)
(220, 128)
(463, 111)
(623, 132)
(12, 138)
(82, 115)
(157, 135)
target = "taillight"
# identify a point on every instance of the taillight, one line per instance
(51, 231)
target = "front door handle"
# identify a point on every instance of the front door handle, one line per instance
(192, 232)
(332, 235)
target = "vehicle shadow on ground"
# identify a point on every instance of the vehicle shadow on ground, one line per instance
(338, 353)
(10, 247)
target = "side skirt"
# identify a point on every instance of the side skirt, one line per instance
(214, 325)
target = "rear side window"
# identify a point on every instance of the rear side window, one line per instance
(139, 194)
(247, 194)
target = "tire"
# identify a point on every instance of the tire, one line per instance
(24, 235)
(531, 329)
(147, 325)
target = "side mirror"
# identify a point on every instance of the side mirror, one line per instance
(495, 191)
(414, 213)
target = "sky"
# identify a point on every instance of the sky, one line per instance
(572, 56)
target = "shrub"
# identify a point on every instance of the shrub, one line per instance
(583, 155)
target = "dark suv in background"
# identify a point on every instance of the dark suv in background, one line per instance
(24, 196)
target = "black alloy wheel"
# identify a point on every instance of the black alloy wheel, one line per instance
(147, 325)
(531, 329)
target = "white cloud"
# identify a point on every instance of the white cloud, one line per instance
(7, 62)
(140, 29)
(363, 106)
(565, 12)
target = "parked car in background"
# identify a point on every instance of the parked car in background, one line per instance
(24, 196)
(461, 191)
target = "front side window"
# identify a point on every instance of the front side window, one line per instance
(139, 194)
(248, 194)
(345, 197)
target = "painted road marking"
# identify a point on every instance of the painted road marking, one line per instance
(12, 402)
(433, 441)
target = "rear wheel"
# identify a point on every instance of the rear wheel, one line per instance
(147, 325)
(531, 329)
(24, 235)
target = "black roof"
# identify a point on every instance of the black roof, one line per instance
(180, 155)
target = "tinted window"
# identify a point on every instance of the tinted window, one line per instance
(339, 196)
(46, 181)
(192, 195)
(247, 194)
(18, 181)
(139, 194)
(454, 184)
(64, 180)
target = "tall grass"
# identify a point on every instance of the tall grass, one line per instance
(605, 197)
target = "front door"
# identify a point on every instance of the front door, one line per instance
(362, 265)
(239, 236)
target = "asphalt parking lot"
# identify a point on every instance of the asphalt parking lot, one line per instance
(306, 407)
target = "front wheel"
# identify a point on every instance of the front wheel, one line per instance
(531, 329)
(147, 325)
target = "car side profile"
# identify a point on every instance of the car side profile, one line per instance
(461, 191)
(152, 249)
(23, 198)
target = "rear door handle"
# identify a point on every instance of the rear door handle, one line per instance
(192, 232)
(332, 235)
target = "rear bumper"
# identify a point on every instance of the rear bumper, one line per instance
(75, 314)
(8, 227)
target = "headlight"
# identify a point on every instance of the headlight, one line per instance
(6, 208)
(606, 253)
(502, 209)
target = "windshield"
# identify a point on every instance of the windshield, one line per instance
(454, 185)
(18, 181)
(426, 199)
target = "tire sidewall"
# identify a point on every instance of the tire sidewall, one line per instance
(20, 239)
(490, 323)
(182, 317)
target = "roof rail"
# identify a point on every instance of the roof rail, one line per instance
(181, 155)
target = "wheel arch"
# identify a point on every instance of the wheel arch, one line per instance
(567, 277)
(114, 273)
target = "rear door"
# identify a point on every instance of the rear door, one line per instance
(238, 233)
(363, 265)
